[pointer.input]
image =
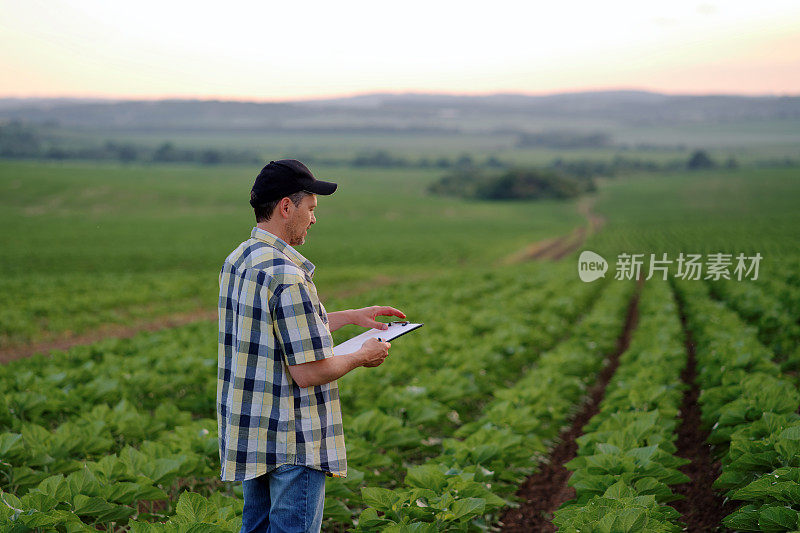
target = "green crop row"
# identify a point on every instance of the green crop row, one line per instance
(133, 482)
(172, 366)
(751, 410)
(34, 453)
(466, 486)
(778, 328)
(93, 244)
(156, 458)
(626, 463)
(45, 306)
(406, 410)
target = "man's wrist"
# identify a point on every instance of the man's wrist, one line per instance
(359, 358)
(354, 360)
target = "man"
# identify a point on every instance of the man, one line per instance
(280, 423)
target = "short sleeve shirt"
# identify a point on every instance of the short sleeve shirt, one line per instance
(270, 317)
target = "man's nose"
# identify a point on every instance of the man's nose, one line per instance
(313, 219)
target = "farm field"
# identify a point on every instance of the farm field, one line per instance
(531, 400)
(117, 245)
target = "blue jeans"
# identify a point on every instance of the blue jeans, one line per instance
(287, 500)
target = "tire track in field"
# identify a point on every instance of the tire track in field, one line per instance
(545, 491)
(557, 248)
(701, 509)
(107, 331)
(126, 331)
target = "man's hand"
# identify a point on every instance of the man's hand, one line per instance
(373, 352)
(365, 317)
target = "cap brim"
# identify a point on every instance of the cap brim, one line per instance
(321, 187)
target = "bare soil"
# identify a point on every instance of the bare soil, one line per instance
(544, 492)
(702, 510)
(557, 248)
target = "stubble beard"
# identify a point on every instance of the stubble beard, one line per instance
(296, 234)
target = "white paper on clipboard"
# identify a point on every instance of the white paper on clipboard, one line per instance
(394, 330)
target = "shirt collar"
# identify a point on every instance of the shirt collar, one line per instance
(281, 245)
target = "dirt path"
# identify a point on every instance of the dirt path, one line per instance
(116, 331)
(125, 331)
(557, 248)
(702, 510)
(544, 492)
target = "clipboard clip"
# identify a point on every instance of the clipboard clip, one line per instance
(398, 323)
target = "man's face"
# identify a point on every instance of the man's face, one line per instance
(300, 219)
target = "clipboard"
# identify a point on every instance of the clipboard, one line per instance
(396, 329)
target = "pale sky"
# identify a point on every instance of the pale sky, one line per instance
(270, 50)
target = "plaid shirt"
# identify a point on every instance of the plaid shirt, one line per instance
(270, 317)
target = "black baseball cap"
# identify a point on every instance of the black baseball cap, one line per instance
(284, 177)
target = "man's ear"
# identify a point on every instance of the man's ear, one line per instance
(284, 206)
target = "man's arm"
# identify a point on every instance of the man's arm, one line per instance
(372, 353)
(364, 317)
(306, 343)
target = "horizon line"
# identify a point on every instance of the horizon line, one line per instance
(345, 96)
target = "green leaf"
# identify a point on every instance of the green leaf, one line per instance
(630, 520)
(369, 519)
(38, 501)
(117, 514)
(83, 505)
(202, 528)
(788, 445)
(618, 491)
(604, 447)
(643, 454)
(337, 511)
(652, 486)
(426, 477)
(78, 527)
(193, 507)
(146, 527)
(379, 498)
(47, 519)
(776, 518)
(10, 445)
(83, 482)
(56, 487)
(414, 527)
(122, 492)
(467, 508)
(744, 519)
(149, 492)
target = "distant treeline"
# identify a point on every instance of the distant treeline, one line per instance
(563, 140)
(561, 178)
(512, 184)
(587, 168)
(384, 159)
(20, 141)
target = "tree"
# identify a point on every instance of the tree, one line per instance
(210, 157)
(165, 152)
(699, 160)
(127, 153)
